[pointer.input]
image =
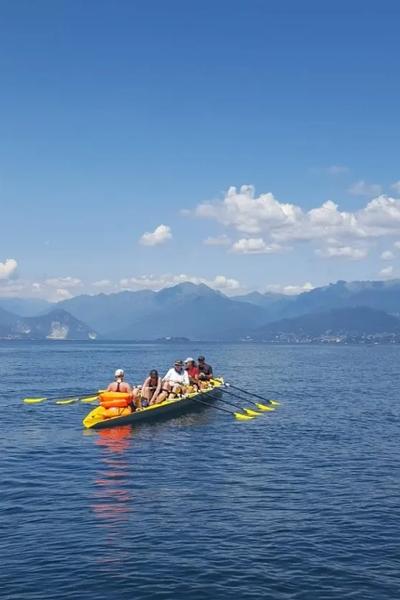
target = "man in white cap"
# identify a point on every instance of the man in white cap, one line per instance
(119, 385)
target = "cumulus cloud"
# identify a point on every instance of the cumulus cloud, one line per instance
(386, 272)
(220, 240)
(254, 246)
(157, 282)
(160, 235)
(8, 268)
(387, 255)
(362, 188)
(397, 245)
(347, 252)
(396, 186)
(264, 218)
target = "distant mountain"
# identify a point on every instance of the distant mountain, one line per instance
(193, 311)
(108, 312)
(264, 300)
(184, 310)
(198, 312)
(55, 325)
(349, 322)
(381, 295)
(26, 307)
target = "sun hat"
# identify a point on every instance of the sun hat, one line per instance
(119, 373)
(189, 359)
(179, 362)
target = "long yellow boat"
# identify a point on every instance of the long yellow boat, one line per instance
(169, 408)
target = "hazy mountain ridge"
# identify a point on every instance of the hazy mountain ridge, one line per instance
(55, 325)
(198, 312)
(346, 323)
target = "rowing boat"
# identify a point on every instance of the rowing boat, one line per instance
(166, 409)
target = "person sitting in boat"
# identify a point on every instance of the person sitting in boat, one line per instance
(119, 385)
(205, 370)
(175, 381)
(193, 372)
(151, 388)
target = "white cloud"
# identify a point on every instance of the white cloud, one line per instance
(102, 283)
(387, 255)
(221, 240)
(396, 186)
(289, 290)
(397, 245)
(265, 218)
(254, 246)
(386, 272)
(8, 268)
(160, 235)
(248, 214)
(362, 188)
(62, 294)
(157, 282)
(63, 282)
(342, 252)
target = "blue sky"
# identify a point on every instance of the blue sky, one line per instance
(119, 117)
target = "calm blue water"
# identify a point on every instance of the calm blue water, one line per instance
(302, 503)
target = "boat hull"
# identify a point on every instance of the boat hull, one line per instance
(168, 409)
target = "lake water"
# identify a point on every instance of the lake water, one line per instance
(302, 503)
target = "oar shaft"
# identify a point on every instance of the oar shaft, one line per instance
(247, 392)
(222, 400)
(231, 412)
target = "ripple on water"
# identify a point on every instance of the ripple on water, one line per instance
(300, 503)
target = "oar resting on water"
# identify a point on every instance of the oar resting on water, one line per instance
(237, 415)
(64, 400)
(247, 411)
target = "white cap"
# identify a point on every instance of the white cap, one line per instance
(189, 360)
(119, 373)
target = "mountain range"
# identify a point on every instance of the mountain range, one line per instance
(200, 313)
(57, 324)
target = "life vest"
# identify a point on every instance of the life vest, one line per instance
(115, 399)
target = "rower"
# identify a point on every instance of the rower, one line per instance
(151, 388)
(205, 370)
(193, 371)
(176, 380)
(119, 385)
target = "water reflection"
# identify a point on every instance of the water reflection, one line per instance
(113, 500)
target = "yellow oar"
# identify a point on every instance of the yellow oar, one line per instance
(248, 411)
(72, 400)
(237, 415)
(66, 400)
(271, 403)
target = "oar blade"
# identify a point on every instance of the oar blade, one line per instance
(275, 403)
(67, 401)
(252, 413)
(264, 407)
(242, 417)
(90, 399)
(34, 400)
